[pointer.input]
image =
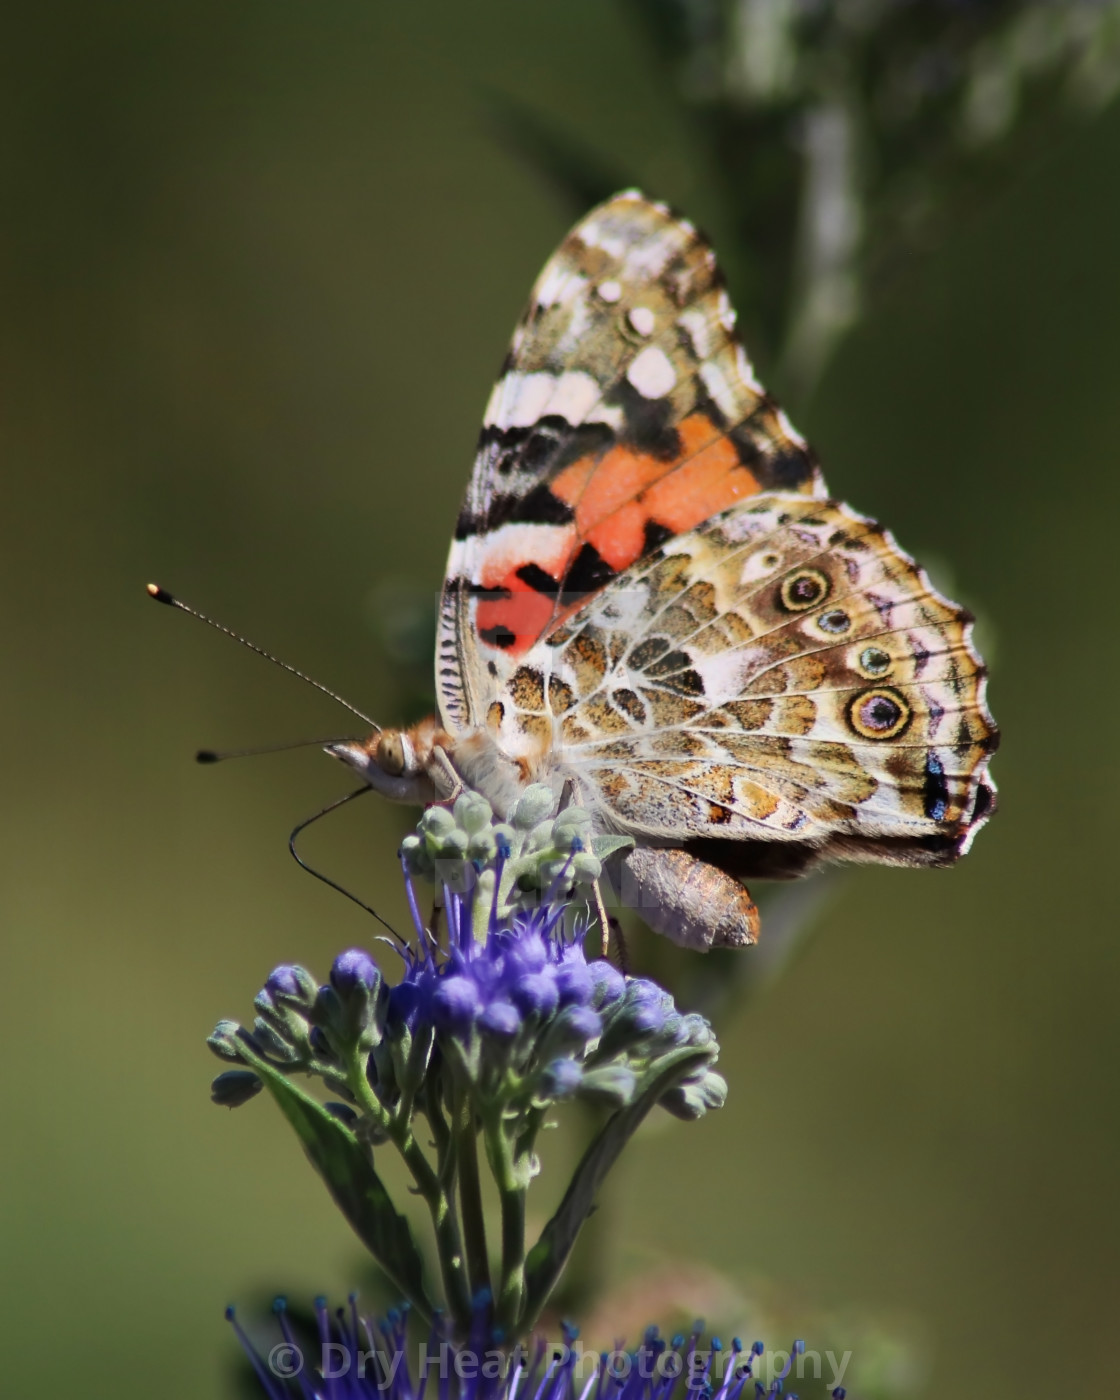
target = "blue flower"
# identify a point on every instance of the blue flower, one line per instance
(486, 1028)
(352, 1357)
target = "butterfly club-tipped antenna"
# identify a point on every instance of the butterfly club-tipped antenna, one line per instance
(221, 755)
(161, 595)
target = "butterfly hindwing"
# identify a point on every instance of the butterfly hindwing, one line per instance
(627, 412)
(782, 673)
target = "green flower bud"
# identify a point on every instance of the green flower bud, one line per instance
(483, 846)
(533, 806)
(540, 838)
(472, 812)
(694, 1098)
(505, 835)
(224, 1041)
(436, 822)
(452, 843)
(611, 1084)
(586, 867)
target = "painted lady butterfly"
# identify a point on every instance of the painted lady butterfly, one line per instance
(652, 600)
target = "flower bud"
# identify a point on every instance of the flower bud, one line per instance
(586, 867)
(235, 1087)
(575, 983)
(536, 993)
(355, 972)
(500, 1018)
(343, 1112)
(534, 805)
(414, 853)
(436, 823)
(455, 1003)
(274, 1045)
(224, 1041)
(609, 983)
(540, 838)
(612, 1084)
(291, 983)
(561, 1079)
(574, 1027)
(692, 1099)
(482, 847)
(473, 812)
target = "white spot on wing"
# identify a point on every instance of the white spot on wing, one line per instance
(746, 371)
(560, 283)
(695, 325)
(642, 319)
(489, 558)
(732, 405)
(609, 291)
(519, 400)
(651, 373)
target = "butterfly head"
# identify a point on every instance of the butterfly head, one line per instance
(400, 763)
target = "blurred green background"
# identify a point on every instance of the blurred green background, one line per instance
(258, 265)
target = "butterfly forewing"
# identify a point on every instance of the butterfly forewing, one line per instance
(626, 413)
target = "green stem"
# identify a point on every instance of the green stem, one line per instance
(511, 1290)
(470, 1189)
(434, 1193)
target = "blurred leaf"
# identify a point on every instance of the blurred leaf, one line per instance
(579, 173)
(346, 1167)
(548, 1256)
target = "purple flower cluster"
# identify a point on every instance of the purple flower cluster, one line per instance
(351, 1357)
(522, 974)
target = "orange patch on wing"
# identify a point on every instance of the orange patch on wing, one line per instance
(619, 539)
(614, 498)
(713, 480)
(524, 614)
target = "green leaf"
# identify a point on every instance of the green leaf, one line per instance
(550, 1253)
(604, 846)
(346, 1166)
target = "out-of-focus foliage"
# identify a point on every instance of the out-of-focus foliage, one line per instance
(848, 133)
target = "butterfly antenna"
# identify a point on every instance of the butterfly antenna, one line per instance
(220, 755)
(161, 595)
(326, 879)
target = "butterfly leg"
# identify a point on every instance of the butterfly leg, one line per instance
(447, 768)
(601, 915)
(620, 945)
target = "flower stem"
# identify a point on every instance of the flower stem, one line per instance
(436, 1197)
(511, 1290)
(470, 1189)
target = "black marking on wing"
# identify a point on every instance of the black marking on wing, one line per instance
(488, 595)
(648, 426)
(539, 507)
(587, 573)
(935, 794)
(654, 536)
(498, 636)
(538, 579)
